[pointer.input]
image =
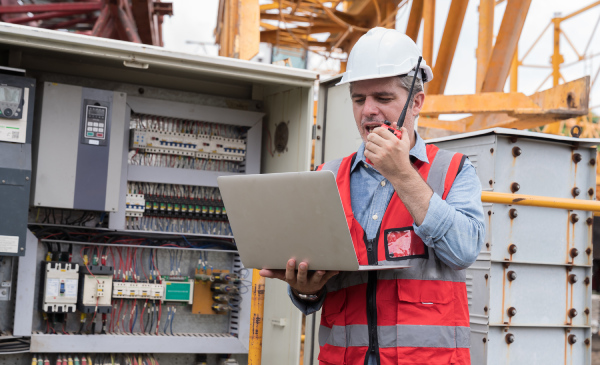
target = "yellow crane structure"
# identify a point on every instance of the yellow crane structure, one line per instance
(297, 23)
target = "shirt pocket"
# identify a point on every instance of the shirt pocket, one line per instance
(426, 302)
(403, 244)
(426, 323)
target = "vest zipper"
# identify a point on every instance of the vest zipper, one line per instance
(372, 251)
(372, 316)
(372, 300)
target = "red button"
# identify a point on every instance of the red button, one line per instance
(100, 134)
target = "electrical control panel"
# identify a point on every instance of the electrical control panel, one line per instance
(60, 287)
(79, 173)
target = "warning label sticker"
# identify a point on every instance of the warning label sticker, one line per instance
(9, 244)
(10, 134)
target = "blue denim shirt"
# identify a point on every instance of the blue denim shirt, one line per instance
(453, 227)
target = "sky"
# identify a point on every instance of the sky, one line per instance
(191, 29)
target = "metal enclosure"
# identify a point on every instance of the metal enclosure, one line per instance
(336, 132)
(254, 95)
(74, 168)
(529, 290)
(15, 168)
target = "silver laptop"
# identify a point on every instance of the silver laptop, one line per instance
(299, 215)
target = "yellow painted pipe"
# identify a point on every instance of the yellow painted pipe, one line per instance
(540, 201)
(257, 308)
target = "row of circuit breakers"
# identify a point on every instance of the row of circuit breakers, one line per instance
(136, 205)
(68, 287)
(185, 144)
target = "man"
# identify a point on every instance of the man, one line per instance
(405, 202)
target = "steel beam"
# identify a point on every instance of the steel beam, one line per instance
(43, 16)
(445, 55)
(70, 23)
(42, 8)
(143, 21)
(455, 126)
(506, 44)
(414, 20)
(428, 30)
(478, 103)
(485, 39)
(509, 110)
(101, 23)
(125, 25)
(514, 73)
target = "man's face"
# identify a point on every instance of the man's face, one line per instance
(377, 100)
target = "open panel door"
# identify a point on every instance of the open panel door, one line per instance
(293, 107)
(335, 136)
(336, 132)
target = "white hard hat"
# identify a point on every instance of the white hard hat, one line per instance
(383, 53)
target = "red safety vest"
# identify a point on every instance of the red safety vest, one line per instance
(417, 315)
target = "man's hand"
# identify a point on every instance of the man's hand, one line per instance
(389, 154)
(301, 282)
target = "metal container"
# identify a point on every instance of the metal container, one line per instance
(529, 290)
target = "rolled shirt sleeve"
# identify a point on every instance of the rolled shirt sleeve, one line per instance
(304, 306)
(455, 227)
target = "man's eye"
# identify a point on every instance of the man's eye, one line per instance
(385, 100)
(358, 101)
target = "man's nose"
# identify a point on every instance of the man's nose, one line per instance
(370, 107)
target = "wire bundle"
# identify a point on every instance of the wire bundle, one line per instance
(142, 158)
(175, 125)
(13, 345)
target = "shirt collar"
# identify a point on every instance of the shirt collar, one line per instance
(418, 151)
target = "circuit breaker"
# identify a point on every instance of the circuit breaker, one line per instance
(82, 135)
(95, 289)
(60, 287)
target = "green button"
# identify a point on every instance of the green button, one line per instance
(90, 134)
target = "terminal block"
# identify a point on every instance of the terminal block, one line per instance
(129, 290)
(184, 144)
(60, 287)
(229, 147)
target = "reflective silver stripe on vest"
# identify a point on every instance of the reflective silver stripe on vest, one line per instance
(397, 336)
(437, 172)
(332, 166)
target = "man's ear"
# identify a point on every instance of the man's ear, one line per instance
(418, 103)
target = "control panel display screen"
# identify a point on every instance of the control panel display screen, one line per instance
(10, 94)
(95, 122)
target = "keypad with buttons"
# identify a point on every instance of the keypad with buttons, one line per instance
(95, 120)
